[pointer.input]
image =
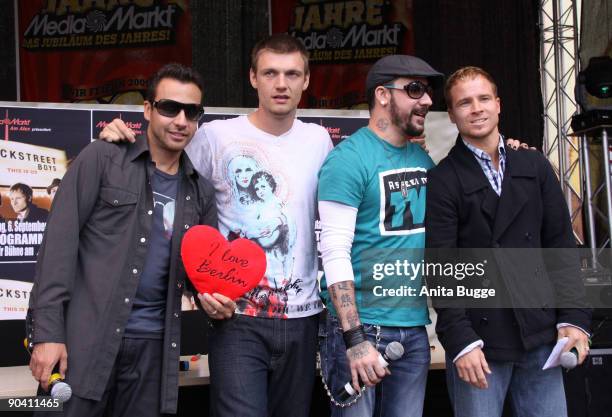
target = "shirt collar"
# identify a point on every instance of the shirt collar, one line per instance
(482, 154)
(141, 147)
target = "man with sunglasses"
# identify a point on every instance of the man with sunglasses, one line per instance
(106, 302)
(372, 191)
(262, 358)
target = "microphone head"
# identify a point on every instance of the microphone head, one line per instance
(394, 351)
(568, 360)
(61, 391)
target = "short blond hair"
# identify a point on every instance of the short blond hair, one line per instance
(462, 74)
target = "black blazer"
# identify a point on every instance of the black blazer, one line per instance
(463, 211)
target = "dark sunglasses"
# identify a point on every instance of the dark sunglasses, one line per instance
(171, 108)
(414, 89)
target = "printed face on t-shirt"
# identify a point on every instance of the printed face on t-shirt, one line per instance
(263, 188)
(241, 169)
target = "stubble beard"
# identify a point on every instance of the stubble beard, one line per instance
(403, 123)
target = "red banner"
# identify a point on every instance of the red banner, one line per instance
(100, 51)
(344, 38)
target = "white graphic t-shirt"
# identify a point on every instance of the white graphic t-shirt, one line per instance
(266, 192)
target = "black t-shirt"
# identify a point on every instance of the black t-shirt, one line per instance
(148, 311)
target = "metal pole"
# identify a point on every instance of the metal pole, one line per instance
(560, 113)
(546, 143)
(576, 23)
(17, 60)
(269, 17)
(590, 218)
(608, 188)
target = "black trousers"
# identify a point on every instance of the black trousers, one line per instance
(133, 388)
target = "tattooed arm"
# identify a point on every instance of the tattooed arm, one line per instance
(337, 229)
(363, 358)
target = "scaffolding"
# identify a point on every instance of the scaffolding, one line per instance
(559, 66)
(569, 153)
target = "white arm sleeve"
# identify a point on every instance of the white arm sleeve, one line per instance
(337, 232)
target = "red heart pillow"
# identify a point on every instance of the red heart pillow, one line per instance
(215, 265)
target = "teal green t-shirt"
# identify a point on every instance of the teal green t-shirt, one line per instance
(388, 186)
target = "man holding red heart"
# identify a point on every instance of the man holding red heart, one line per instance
(106, 302)
(264, 167)
(264, 170)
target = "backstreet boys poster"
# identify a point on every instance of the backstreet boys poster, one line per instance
(36, 146)
(344, 39)
(35, 149)
(98, 51)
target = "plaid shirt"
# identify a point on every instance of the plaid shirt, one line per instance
(495, 177)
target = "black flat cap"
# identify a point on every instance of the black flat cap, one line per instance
(391, 67)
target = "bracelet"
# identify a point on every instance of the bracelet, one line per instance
(354, 336)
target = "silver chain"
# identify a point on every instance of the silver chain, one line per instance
(328, 391)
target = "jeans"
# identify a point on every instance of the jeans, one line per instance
(533, 392)
(400, 394)
(262, 367)
(133, 388)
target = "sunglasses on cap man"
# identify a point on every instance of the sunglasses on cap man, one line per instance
(171, 108)
(414, 89)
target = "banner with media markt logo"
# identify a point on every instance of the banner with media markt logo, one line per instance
(344, 38)
(98, 51)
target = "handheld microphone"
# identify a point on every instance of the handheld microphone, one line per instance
(393, 352)
(569, 359)
(60, 390)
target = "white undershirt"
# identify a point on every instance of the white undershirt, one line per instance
(337, 233)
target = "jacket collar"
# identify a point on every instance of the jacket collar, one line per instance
(140, 148)
(500, 210)
(468, 170)
(470, 173)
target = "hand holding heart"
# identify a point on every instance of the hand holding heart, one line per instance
(215, 265)
(217, 306)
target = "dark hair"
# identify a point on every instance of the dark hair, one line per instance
(261, 174)
(176, 72)
(462, 74)
(281, 43)
(23, 189)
